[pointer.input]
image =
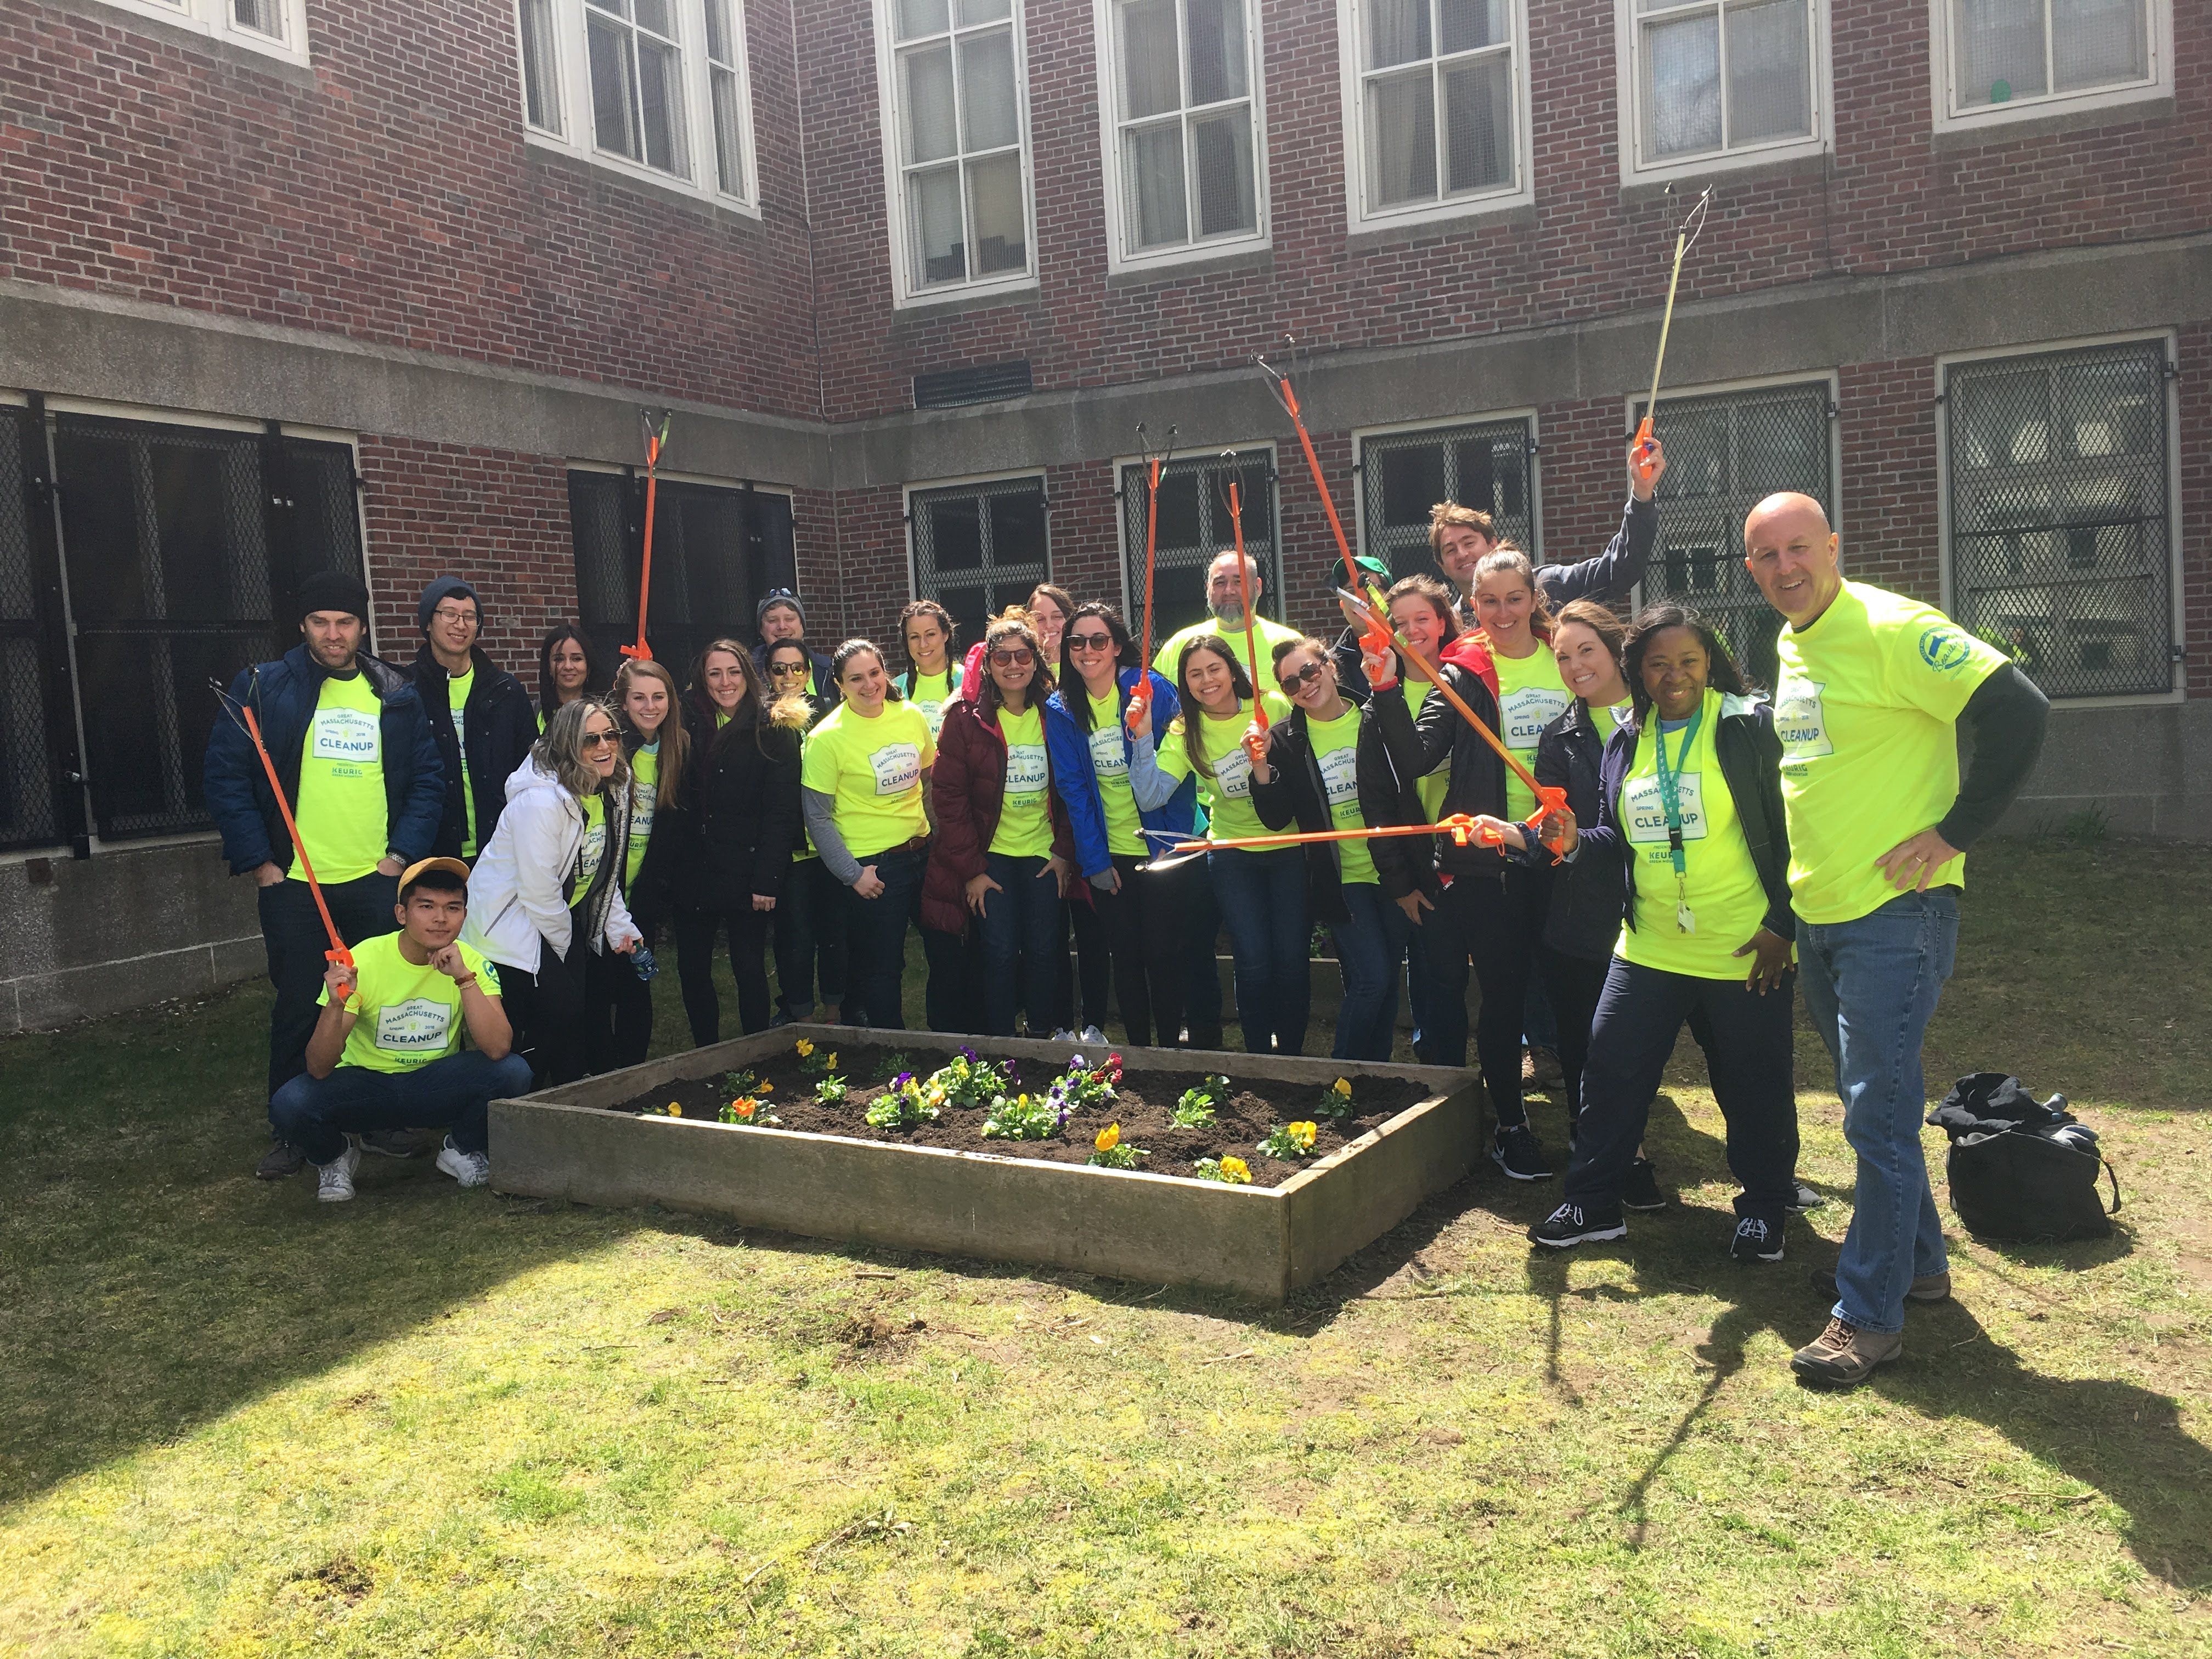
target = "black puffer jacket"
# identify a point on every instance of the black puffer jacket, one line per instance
(1296, 794)
(737, 837)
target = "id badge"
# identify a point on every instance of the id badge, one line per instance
(1685, 923)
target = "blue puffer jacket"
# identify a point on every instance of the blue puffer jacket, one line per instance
(1076, 785)
(237, 789)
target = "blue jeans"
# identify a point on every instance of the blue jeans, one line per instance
(1201, 1008)
(1871, 987)
(1369, 948)
(875, 940)
(453, 1094)
(1263, 898)
(1020, 925)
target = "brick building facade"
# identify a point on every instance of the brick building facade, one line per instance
(293, 281)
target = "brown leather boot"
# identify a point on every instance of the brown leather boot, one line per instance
(1844, 1356)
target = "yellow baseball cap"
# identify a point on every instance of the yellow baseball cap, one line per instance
(453, 866)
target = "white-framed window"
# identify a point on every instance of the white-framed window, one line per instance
(979, 545)
(953, 80)
(2060, 502)
(1707, 84)
(1996, 61)
(1184, 128)
(1436, 108)
(654, 89)
(1487, 462)
(279, 27)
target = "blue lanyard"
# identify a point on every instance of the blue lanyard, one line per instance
(1670, 788)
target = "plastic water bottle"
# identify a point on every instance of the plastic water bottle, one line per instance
(641, 959)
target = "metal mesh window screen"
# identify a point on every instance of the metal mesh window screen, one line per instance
(2061, 548)
(1194, 529)
(1724, 454)
(1403, 474)
(979, 548)
(34, 710)
(716, 549)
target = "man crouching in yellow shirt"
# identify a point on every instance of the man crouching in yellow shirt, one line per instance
(386, 1050)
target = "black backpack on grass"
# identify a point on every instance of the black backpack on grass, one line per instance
(2019, 1169)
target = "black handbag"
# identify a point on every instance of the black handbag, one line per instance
(2022, 1169)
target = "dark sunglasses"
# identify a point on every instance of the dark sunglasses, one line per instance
(598, 740)
(1090, 641)
(1019, 656)
(788, 668)
(1296, 682)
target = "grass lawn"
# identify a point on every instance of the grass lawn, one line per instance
(438, 1422)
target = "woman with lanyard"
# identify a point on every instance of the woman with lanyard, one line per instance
(569, 667)
(1261, 890)
(1327, 766)
(617, 990)
(810, 918)
(741, 822)
(1109, 780)
(1690, 810)
(865, 787)
(544, 896)
(931, 678)
(1001, 858)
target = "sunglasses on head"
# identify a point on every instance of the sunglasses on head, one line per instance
(1295, 683)
(1090, 641)
(1018, 656)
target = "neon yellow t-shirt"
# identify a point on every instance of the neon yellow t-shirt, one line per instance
(1530, 697)
(929, 693)
(457, 689)
(1109, 765)
(341, 810)
(594, 846)
(872, 769)
(1866, 702)
(1432, 788)
(1227, 798)
(404, 1016)
(644, 793)
(1024, 828)
(1720, 884)
(1336, 750)
(1166, 659)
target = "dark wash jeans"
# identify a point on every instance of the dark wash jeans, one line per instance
(875, 940)
(292, 933)
(1144, 923)
(317, 1114)
(810, 933)
(1369, 950)
(1262, 898)
(546, 1009)
(1748, 1057)
(1496, 924)
(697, 933)
(1020, 931)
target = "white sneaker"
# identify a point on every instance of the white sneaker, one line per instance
(1092, 1033)
(334, 1180)
(1065, 1035)
(469, 1168)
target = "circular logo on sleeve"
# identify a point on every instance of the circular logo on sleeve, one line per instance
(1944, 649)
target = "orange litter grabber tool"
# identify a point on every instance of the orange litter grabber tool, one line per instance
(242, 715)
(1286, 395)
(1459, 827)
(1244, 597)
(1140, 697)
(1692, 226)
(654, 438)
(1551, 798)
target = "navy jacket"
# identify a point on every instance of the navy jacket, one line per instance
(501, 723)
(237, 789)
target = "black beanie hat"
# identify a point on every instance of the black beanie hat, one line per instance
(334, 590)
(446, 588)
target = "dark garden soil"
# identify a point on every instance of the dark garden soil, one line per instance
(1143, 1104)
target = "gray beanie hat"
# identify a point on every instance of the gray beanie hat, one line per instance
(774, 598)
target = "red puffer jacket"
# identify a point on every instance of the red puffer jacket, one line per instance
(968, 790)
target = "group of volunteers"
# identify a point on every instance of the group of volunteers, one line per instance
(502, 864)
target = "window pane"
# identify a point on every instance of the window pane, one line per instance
(1413, 482)
(1401, 140)
(1018, 532)
(1997, 51)
(1682, 86)
(729, 134)
(1219, 53)
(1222, 147)
(719, 47)
(994, 205)
(1397, 32)
(262, 16)
(921, 17)
(1151, 80)
(931, 129)
(983, 11)
(2099, 42)
(655, 15)
(987, 90)
(956, 533)
(540, 74)
(1464, 24)
(1151, 174)
(660, 93)
(1770, 86)
(940, 253)
(613, 91)
(1479, 124)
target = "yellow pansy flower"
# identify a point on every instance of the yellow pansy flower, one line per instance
(1341, 1086)
(806, 1047)
(1108, 1138)
(1302, 1134)
(1236, 1171)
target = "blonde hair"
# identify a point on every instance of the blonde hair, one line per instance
(560, 752)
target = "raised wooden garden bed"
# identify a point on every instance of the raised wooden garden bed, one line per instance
(1411, 1132)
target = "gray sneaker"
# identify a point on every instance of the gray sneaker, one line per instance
(469, 1168)
(279, 1163)
(334, 1180)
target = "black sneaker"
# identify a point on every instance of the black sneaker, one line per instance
(395, 1143)
(1517, 1150)
(1571, 1225)
(1807, 1199)
(1642, 1191)
(281, 1162)
(1756, 1241)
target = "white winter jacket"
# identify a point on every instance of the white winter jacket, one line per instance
(517, 893)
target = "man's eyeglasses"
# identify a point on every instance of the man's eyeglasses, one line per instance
(446, 613)
(597, 739)
(1019, 656)
(1090, 641)
(1298, 682)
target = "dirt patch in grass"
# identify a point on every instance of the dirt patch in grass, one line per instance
(1143, 1104)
